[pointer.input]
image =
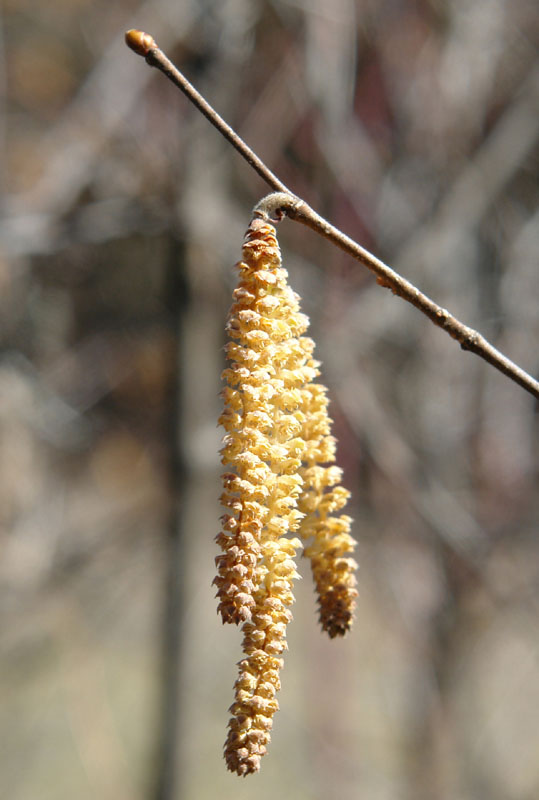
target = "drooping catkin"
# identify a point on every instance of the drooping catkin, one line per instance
(263, 421)
(330, 542)
(276, 442)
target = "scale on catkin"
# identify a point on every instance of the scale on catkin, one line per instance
(281, 489)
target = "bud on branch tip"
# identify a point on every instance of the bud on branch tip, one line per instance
(140, 42)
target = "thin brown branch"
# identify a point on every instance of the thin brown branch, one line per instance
(283, 202)
(144, 45)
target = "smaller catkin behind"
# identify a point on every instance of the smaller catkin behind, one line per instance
(330, 542)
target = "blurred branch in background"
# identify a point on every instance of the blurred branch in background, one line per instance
(414, 125)
(167, 774)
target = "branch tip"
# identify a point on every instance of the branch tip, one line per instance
(140, 42)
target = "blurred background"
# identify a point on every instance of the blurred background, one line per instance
(411, 125)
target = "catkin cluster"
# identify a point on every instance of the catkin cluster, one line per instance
(277, 448)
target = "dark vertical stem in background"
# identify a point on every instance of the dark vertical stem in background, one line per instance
(167, 780)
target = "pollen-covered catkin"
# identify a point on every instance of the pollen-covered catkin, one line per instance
(330, 540)
(276, 444)
(263, 421)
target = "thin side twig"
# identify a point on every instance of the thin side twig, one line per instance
(282, 202)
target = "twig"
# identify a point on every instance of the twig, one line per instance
(283, 202)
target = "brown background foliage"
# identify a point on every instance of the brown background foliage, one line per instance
(412, 126)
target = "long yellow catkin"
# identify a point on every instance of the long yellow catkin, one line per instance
(276, 444)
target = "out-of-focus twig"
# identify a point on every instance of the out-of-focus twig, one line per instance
(32, 219)
(284, 203)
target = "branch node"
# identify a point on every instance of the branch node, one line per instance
(273, 207)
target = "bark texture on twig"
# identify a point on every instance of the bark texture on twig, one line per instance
(285, 203)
